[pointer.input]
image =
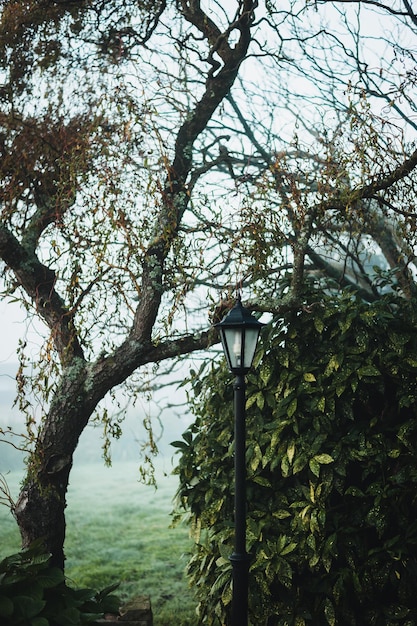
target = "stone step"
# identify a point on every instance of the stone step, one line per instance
(136, 612)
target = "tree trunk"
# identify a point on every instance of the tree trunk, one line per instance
(40, 508)
(40, 514)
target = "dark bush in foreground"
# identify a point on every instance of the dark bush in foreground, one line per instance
(332, 470)
(34, 594)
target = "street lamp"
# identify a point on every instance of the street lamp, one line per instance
(239, 332)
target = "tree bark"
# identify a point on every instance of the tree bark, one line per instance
(40, 508)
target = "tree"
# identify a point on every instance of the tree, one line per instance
(332, 469)
(337, 162)
(158, 153)
(95, 263)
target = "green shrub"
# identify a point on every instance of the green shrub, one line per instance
(34, 594)
(332, 470)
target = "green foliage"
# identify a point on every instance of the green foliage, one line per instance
(332, 470)
(34, 594)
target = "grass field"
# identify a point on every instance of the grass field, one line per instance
(119, 530)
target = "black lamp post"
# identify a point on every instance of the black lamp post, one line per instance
(239, 332)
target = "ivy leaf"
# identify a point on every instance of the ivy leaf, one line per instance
(299, 463)
(291, 452)
(321, 404)
(324, 459)
(281, 514)
(292, 407)
(181, 445)
(309, 377)
(289, 548)
(260, 400)
(329, 612)
(319, 324)
(314, 467)
(260, 480)
(368, 370)
(332, 366)
(265, 373)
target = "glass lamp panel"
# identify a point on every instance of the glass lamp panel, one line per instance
(232, 344)
(237, 347)
(251, 339)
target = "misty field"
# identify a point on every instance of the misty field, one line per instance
(119, 531)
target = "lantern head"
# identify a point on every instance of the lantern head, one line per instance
(239, 332)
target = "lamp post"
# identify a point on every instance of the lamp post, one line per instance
(239, 332)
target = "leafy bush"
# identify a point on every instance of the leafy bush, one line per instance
(34, 594)
(332, 470)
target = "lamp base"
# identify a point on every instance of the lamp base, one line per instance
(240, 563)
